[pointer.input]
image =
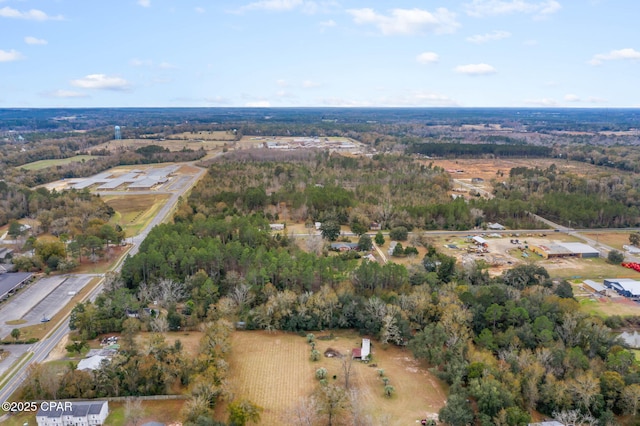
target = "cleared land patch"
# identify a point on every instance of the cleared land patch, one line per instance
(133, 212)
(170, 144)
(274, 371)
(43, 164)
(615, 239)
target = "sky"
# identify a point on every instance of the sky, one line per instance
(316, 53)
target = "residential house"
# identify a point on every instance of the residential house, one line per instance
(72, 413)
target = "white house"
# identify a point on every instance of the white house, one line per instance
(72, 413)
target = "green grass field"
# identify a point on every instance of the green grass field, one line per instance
(43, 164)
(133, 212)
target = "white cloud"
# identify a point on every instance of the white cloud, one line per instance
(66, 94)
(258, 104)
(627, 53)
(166, 66)
(34, 40)
(481, 8)
(494, 35)
(32, 15)
(101, 82)
(308, 84)
(328, 24)
(427, 58)
(200, 10)
(408, 21)
(475, 69)
(135, 62)
(144, 3)
(273, 5)
(572, 98)
(282, 83)
(596, 100)
(10, 55)
(545, 102)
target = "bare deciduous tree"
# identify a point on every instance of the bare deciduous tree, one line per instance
(133, 411)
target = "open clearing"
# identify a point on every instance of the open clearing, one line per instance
(170, 144)
(133, 212)
(608, 306)
(190, 340)
(615, 239)
(274, 371)
(488, 169)
(43, 164)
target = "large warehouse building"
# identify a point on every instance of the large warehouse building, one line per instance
(557, 250)
(624, 286)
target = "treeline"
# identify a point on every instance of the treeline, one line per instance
(57, 212)
(596, 200)
(389, 189)
(479, 150)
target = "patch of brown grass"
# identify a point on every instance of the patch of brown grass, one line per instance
(274, 371)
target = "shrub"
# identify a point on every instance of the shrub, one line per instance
(321, 373)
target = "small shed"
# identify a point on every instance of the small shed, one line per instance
(480, 241)
(362, 352)
(595, 287)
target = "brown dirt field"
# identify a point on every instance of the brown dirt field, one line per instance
(274, 371)
(172, 145)
(487, 168)
(204, 135)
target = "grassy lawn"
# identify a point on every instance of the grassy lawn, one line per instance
(133, 212)
(164, 411)
(615, 239)
(605, 307)
(43, 164)
(596, 269)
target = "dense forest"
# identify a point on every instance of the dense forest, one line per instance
(462, 150)
(594, 201)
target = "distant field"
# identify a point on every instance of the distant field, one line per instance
(274, 371)
(204, 135)
(170, 144)
(133, 212)
(43, 164)
(488, 168)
